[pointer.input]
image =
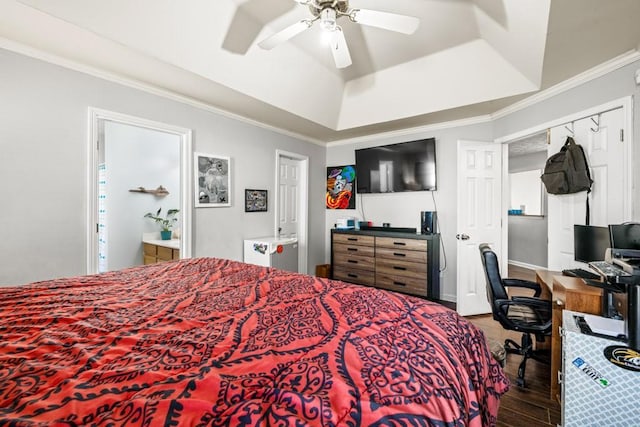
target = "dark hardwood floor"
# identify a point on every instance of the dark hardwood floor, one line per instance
(531, 406)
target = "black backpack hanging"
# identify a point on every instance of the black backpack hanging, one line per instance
(567, 172)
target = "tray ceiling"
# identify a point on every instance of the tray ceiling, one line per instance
(468, 57)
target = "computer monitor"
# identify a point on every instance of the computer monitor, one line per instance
(590, 243)
(625, 236)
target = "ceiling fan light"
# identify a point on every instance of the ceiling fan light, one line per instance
(328, 19)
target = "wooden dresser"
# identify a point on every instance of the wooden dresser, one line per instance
(403, 262)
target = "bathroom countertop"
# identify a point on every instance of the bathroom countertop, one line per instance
(173, 243)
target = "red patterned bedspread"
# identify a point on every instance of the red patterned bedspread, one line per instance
(216, 342)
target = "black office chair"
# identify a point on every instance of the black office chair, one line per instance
(529, 315)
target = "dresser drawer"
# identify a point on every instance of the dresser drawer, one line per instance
(353, 239)
(401, 284)
(402, 254)
(354, 275)
(402, 265)
(402, 268)
(345, 249)
(400, 243)
(354, 261)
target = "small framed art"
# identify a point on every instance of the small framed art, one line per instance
(255, 200)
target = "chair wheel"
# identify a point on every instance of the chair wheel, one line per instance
(520, 382)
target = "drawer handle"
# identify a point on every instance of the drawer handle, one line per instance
(399, 283)
(559, 302)
(352, 239)
(352, 261)
(395, 267)
(352, 249)
(399, 254)
(355, 276)
(400, 243)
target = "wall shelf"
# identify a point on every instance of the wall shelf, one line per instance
(160, 191)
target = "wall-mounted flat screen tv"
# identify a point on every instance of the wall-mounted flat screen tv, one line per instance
(407, 166)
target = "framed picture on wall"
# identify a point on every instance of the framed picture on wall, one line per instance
(255, 200)
(212, 180)
(341, 184)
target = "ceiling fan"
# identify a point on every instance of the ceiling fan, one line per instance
(328, 12)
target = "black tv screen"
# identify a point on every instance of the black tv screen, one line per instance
(407, 166)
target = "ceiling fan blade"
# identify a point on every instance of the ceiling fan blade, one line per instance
(385, 20)
(284, 35)
(339, 49)
(245, 28)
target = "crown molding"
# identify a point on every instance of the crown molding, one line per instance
(412, 131)
(582, 78)
(32, 52)
(591, 74)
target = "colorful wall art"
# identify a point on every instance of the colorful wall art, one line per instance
(341, 185)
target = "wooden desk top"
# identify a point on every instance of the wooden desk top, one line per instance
(550, 278)
(576, 284)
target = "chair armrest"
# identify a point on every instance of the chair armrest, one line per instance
(532, 302)
(519, 283)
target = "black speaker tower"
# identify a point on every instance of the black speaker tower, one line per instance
(428, 222)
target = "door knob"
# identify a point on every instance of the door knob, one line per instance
(462, 237)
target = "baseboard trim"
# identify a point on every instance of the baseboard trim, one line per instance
(448, 298)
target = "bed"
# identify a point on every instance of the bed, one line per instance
(215, 342)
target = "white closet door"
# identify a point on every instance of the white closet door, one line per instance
(608, 167)
(606, 156)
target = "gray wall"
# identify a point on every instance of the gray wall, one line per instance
(403, 209)
(43, 170)
(43, 127)
(528, 234)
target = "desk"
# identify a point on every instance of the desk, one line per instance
(566, 293)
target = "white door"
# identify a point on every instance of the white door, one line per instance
(600, 136)
(292, 200)
(289, 195)
(479, 220)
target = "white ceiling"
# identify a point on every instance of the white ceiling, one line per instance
(467, 58)
(528, 145)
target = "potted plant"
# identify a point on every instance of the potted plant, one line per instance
(165, 223)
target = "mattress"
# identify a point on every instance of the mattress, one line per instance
(209, 341)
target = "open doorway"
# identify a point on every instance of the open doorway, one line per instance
(130, 160)
(527, 217)
(605, 133)
(292, 200)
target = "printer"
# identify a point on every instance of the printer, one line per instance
(627, 259)
(625, 254)
(625, 247)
